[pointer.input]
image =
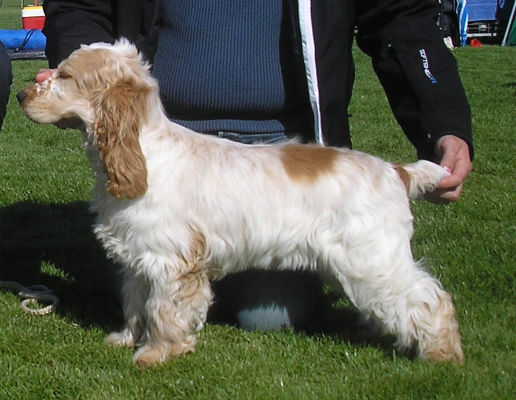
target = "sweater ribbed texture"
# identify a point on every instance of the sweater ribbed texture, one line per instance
(219, 66)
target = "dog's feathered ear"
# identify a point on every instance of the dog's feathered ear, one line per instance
(119, 111)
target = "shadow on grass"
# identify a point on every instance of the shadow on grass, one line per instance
(53, 244)
(297, 297)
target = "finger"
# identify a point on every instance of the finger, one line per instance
(450, 188)
(459, 172)
(435, 198)
(452, 181)
(43, 75)
(444, 196)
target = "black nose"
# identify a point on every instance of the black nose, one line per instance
(21, 96)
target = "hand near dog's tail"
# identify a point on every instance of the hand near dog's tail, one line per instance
(420, 177)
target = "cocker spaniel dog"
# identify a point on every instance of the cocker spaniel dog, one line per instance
(177, 209)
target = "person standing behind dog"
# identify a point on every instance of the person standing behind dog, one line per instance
(6, 78)
(264, 70)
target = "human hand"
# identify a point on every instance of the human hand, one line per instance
(453, 154)
(43, 75)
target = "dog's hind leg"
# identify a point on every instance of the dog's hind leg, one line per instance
(134, 294)
(432, 314)
(175, 310)
(389, 287)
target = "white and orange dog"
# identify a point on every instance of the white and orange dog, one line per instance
(176, 208)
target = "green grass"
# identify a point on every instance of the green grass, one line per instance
(10, 14)
(45, 237)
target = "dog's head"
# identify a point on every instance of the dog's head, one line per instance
(104, 90)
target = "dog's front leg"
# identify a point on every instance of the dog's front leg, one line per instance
(175, 310)
(135, 291)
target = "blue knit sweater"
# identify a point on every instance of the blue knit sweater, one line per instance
(220, 69)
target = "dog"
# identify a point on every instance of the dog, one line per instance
(177, 209)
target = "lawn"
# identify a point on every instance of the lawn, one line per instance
(45, 237)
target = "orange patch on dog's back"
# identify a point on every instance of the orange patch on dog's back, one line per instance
(307, 163)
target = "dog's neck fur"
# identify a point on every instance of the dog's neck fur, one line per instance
(156, 135)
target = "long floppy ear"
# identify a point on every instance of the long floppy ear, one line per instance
(119, 112)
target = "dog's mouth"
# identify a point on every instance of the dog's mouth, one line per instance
(68, 120)
(71, 122)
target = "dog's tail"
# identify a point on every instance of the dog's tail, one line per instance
(420, 177)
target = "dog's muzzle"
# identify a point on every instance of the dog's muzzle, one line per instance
(21, 96)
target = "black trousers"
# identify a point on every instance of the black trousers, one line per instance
(6, 78)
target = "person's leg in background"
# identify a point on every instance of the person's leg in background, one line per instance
(6, 78)
(266, 300)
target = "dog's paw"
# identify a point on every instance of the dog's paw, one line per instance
(124, 338)
(156, 353)
(149, 355)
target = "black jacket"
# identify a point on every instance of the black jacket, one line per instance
(417, 71)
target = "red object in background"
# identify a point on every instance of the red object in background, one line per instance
(475, 43)
(33, 17)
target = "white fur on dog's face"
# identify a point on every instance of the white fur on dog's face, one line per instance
(176, 208)
(58, 100)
